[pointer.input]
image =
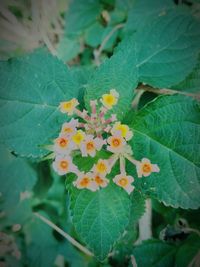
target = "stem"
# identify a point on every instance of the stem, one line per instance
(133, 261)
(191, 230)
(65, 235)
(145, 231)
(97, 53)
(166, 91)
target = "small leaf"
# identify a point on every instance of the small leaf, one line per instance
(81, 14)
(118, 73)
(100, 217)
(154, 253)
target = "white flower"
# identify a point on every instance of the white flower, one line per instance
(101, 167)
(124, 181)
(100, 180)
(116, 143)
(145, 168)
(85, 181)
(69, 106)
(63, 165)
(69, 128)
(63, 144)
(90, 145)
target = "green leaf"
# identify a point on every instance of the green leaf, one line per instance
(117, 72)
(167, 131)
(81, 14)
(18, 177)
(192, 81)
(166, 49)
(137, 207)
(154, 253)
(144, 11)
(91, 37)
(31, 89)
(100, 217)
(188, 251)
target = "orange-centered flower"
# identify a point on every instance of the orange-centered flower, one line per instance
(63, 145)
(63, 165)
(145, 168)
(116, 143)
(124, 181)
(100, 180)
(85, 181)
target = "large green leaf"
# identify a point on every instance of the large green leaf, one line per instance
(31, 88)
(144, 11)
(154, 253)
(16, 183)
(100, 217)
(167, 131)
(192, 81)
(119, 73)
(166, 49)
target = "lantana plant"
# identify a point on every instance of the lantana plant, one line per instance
(91, 131)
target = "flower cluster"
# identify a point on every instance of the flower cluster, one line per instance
(88, 133)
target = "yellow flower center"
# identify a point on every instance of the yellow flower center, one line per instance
(146, 167)
(78, 137)
(64, 164)
(123, 128)
(101, 167)
(123, 182)
(109, 99)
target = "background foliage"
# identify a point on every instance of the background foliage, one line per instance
(54, 52)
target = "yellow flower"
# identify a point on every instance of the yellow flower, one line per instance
(123, 129)
(109, 100)
(69, 106)
(78, 137)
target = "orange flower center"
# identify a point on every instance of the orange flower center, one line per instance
(64, 164)
(90, 146)
(116, 142)
(98, 180)
(123, 182)
(146, 167)
(85, 181)
(63, 142)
